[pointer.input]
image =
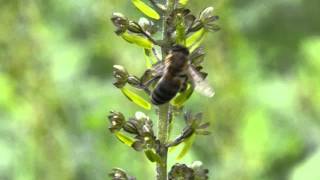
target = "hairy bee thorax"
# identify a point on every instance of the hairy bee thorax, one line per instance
(175, 73)
(176, 62)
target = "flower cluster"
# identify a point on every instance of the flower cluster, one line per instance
(178, 27)
(195, 171)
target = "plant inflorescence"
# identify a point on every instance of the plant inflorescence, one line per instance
(174, 24)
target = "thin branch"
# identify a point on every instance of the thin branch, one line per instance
(159, 6)
(150, 38)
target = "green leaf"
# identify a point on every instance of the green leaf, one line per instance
(196, 44)
(152, 156)
(195, 37)
(124, 138)
(183, 2)
(150, 59)
(145, 9)
(181, 98)
(138, 40)
(136, 98)
(187, 146)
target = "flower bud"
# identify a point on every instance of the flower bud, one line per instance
(117, 121)
(207, 19)
(181, 171)
(197, 25)
(206, 13)
(120, 174)
(199, 172)
(147, 25)
(120, 21)
(131, 126)
(140, 116)
(134, 27)
(121, 76)
(134, 81)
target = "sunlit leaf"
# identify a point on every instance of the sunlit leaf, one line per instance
(152, 156)
(138, 40)
(149, 57)
(136, 98)
(195, 37)
(182, 97)
(145, 9)
(196, 44)
(183, 2)
(124, 138)
(187, 144)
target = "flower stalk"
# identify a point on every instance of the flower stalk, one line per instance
(163, 131)
(178, 27)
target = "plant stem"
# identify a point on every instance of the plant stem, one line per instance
(164, 111)
(163, 127)
(166, 34)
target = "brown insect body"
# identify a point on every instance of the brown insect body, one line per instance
(175, 75)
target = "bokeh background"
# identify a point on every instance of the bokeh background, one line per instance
(56, 90)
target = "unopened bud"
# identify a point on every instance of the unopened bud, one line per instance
(206, 13)
(134, 27)
(181, 171)
(120, 21)
(134, 81)
(116, 120)
(121, 76)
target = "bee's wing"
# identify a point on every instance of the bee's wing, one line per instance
(158, 68)
(201, 85)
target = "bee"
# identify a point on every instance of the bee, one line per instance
(174, 73)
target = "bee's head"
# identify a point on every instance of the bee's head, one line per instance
(180, 49)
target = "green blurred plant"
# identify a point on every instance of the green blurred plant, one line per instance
(177, 26)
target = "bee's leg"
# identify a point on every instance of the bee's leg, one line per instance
(148, 83)
(184, 84)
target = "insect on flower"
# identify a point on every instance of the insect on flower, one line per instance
(173, 75)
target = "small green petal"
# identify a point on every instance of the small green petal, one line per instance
(136, 98)
(181, 98)
(124, 139)
(145, 9)
(187, 146)
(152, 156)
(195, 37)
(138, 40)
(183, 2)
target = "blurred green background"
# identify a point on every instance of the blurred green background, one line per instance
(56, 89)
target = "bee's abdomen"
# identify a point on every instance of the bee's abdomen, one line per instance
(164, 92)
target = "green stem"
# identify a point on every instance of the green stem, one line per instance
(166, 36)
(163, 128)
(164, 111)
